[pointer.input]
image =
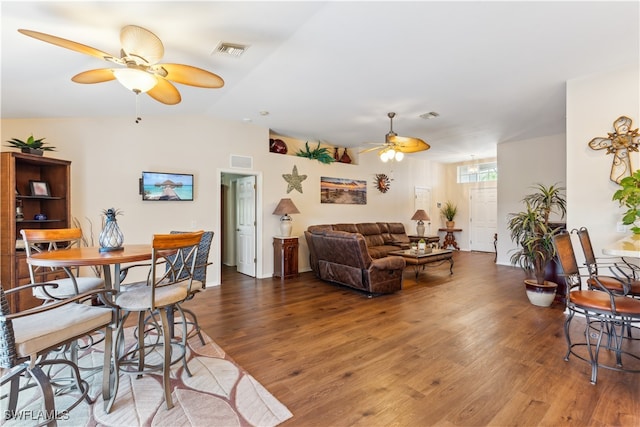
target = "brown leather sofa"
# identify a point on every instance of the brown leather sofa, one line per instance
(342, 257)
(380, 237)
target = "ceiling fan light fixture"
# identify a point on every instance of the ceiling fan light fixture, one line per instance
(399, 156)
(135, 80)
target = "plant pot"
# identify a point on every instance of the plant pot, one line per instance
(33, 151)
(451, 224)
(540, 295)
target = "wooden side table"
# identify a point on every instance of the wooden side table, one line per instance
(285, 257)
(449, 238)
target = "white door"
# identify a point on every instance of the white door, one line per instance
(484, 215)
(246, 225)
(422, 200)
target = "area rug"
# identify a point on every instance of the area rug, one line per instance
(219, 393)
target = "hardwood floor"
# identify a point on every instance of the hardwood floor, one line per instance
(467, 349)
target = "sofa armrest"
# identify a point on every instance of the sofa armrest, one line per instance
(388, 263)
(401, 245)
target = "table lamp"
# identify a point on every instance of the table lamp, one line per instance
(284, 208)
(420, 216)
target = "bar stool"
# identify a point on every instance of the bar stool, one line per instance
(163, 291)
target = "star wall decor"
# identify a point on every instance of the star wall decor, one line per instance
(294, 180)
(619, 143)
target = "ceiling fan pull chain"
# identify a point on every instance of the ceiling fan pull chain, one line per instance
(138, 118)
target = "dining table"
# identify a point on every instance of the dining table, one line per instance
(92, 256)
(628, 246)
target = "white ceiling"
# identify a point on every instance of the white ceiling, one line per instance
(330, 71)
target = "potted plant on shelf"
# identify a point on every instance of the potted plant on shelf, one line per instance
(31, 145)
(320, 154)
(449, 211)
(628, 195)
(532, 231)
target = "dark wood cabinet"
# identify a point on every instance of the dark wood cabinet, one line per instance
(17, 171)
(285, 257)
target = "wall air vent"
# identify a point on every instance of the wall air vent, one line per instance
(243, 162)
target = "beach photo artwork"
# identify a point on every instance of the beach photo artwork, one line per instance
(167, 186)
(343, 191)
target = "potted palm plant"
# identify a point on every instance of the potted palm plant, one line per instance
(532, 230)
(449, 211)
(31, 145)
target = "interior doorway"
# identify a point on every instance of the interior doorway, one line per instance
(483, 218)
(239, 222)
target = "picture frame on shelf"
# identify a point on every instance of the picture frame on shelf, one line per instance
(40, 188)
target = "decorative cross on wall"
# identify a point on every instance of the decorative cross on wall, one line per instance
(619, 143)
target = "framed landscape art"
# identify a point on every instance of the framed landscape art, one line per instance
(343, 191)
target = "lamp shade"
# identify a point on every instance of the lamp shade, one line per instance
(284, 208)
(420, 215)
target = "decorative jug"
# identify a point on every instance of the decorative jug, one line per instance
(111, 238)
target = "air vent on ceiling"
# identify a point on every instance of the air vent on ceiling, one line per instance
(231, 49)
(429, 115)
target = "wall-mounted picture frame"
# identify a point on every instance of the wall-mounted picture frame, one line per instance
(343, 191)
(163, 186)
(40, 188)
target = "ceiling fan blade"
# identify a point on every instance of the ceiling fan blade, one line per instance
(368, 150)
(192, 76)
(68, 44)
(165, 92)
(94, 76)
(142, 44)
(408, 144)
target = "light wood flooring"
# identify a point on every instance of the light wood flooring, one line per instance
(465, 350)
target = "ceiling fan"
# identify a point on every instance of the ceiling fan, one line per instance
(395, 146)
(138, 69)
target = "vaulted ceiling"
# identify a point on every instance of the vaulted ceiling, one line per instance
(331, 71)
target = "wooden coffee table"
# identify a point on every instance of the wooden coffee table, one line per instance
(419, 260)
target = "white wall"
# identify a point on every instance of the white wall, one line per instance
(521, 165)
(108, 155)
(593, 104)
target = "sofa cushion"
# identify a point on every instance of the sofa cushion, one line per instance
(384, 231)
(381, 251)
(349, 228)
(371, 233)
(398, 234)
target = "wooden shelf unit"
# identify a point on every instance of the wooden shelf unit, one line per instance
(17, 170)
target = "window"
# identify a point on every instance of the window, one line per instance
(479, 172)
